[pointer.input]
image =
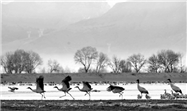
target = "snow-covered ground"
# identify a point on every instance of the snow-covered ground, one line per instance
(130, 92)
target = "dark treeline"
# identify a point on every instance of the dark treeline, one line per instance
(93, 61)
(20, 61)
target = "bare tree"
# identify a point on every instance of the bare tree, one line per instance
(153, 63)
(168, 59)
(32, 62)
(54, 66)
(102, 62)
(20, 61)
(137, 61)
(81, 70)
(86, 56)
(114, 64)
(181, 65)
(42, 70)
(67, 70)
(125, 66)
(6, 62)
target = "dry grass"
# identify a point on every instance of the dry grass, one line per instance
(76, 77)
(94, 105)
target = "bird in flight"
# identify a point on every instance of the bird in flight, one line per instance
(12, 89)
(116, 89)
(65, 86)
(86, 88)
(39, 86)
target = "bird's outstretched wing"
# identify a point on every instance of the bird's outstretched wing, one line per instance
(68, 78)
(115, 88)
(110, 88)
(39, 83)
(15, 88)
(65, 82)
(86, 85)
(118, 87)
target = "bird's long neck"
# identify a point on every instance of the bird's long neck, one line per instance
(79, 88)
(57, 88)
(171, 92)
(138, 84)
(32, 89)
(165, 91)
(170, 83)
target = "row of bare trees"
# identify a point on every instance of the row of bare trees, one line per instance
(164, 61)
(54, 66)
(22, 61)
(93, 61)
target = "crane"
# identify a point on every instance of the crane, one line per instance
(116, 89)
(86, 88)
(174, 87)
(65, 86)
(12, 89)
(39, 86)
(141, 89)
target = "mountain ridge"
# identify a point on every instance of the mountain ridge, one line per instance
(125, 29)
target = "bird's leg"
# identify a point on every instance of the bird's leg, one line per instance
(44, 95)
(71, 95)
(89, 96)
(121, 94)
(63, 95)
(86, 93)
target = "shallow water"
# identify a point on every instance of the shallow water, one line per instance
(130, 92)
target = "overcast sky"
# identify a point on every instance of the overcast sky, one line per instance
(122, 24)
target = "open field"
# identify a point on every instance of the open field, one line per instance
(127, 81)
(96, 105)
(130, 92)
(25, 100)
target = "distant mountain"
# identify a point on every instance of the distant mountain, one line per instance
(19, 19)
(130, 27)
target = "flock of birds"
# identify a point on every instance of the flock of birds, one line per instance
(87, 89)
(172, 96)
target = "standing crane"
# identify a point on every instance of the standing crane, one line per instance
(86, 88)
(12, 89)
(65, 86)
(141, 89)
(39, 86)
(175, 88)
(116, 89)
